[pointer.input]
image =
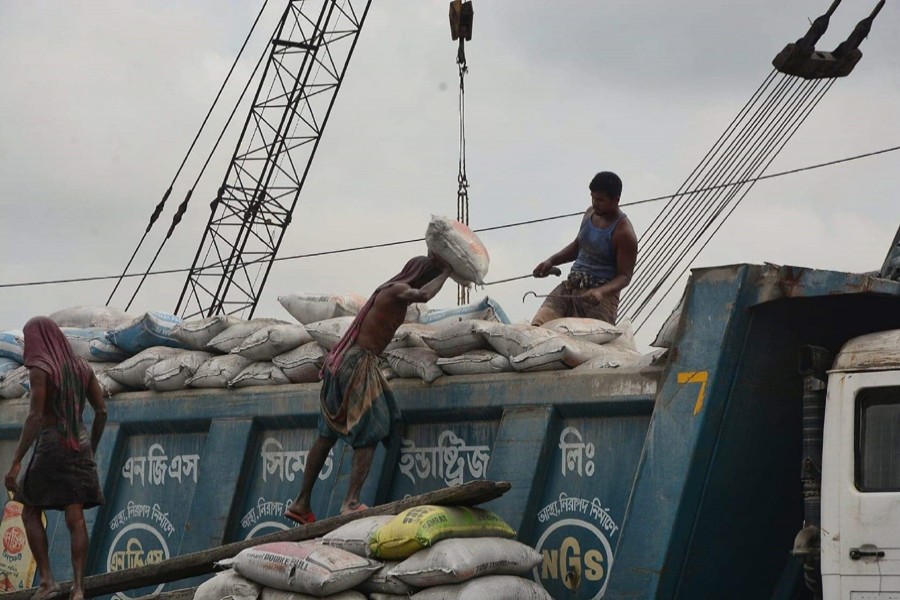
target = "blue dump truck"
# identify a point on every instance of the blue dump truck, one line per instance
(758, 460)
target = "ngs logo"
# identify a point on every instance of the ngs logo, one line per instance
(576, 560)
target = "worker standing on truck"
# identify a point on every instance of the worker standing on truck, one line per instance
(604, 251)
(356, 402)
(62, 474)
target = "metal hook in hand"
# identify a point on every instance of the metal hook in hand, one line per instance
(536, 295)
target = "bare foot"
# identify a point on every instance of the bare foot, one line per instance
(353, 507)
(76, 594)
(47, 590)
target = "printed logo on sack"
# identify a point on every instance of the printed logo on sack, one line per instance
(13, 542)
(576, 552)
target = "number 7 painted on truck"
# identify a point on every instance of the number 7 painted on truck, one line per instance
(700, 377)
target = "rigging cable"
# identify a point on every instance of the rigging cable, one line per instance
(462, 192)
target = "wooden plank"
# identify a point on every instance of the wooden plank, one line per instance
(185, 594)
(201, 563)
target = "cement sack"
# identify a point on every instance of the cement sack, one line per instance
(382, 582)
(7, 365)
(380, 596)
(218, 371)
(586, 330)
(12, 345)
(490, 587)
(309, 308)
(409, 335)
(228, 585)
(233, 336)
(477, 362)
(93, 345)
(108, 385)
(150, 330)
(513, 340)
(626, 340)
(130, 372)
(259, 373)
(487, 310)
(272, 340)
(330, 331)
(272, 594)
(456, 338)
(460, 248)
(414, 362)
(354, 536)
(665, 338)
(197, 333)
(564, 353)
(302, 365)
(305, 567)
(85, 317)
(414, 311)
(624, 360)
(15, 383)
(457, 560)
(173, 373)
(424, 526)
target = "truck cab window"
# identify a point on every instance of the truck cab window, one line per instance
(878, 440)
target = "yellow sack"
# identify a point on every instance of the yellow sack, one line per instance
(423, 526)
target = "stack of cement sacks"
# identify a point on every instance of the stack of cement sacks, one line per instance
(424, 553)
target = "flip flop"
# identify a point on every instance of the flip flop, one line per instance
(49, 593)
(358, 508)
(304, 519)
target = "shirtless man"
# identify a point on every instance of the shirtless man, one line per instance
(62, 474)
(356, 402)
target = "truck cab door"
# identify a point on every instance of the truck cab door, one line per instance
(861, 487)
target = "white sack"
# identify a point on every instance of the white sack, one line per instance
(354, 536)
(490, 587)
(626, 340)
(271, 594)
(218, 371)
(130, 372)
(233, 336)
(382, 582)
(513, 340)
(12, 345)
(477, 362)
(459, 247)
(456, 338)
(586, 330)
(108, 385)
(562, 353)
(301, 365)
(15, 383)
(105, 317)
(259, 373)
(309, 308)
(487, 310)
(228, 585)
(414, 362)
(456, 560)
(197, 333)
(305, 567)
(272, 340)
(409, 335)
(172, 373)
(330, 331)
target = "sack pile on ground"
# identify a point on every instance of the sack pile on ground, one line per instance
(424, 553)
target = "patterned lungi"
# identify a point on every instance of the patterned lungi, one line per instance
(356, 403)
(57, 476)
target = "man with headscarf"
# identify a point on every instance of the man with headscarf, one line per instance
(356, 402)
(61, 474)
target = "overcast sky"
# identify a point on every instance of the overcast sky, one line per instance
(101, 99)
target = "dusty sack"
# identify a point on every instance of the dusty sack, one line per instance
(306, 567)
(218, 371)
(272, 340)
(414, 362)
(456, 338)
(409, 335)
(354, 536)
(93, 345)
(310, 307)
(457, 560)
(130, 373)
(7, 365)
(586, 330)
(564, 353)
(108, 385)
(490, 587)
(105, 317)
(459, 247)
(228, 585)
(301, 365)
(330, 331)
(382, 582)
(259, 373)
(271, 594)
(197, 333)
(477, 362)
(512, 340)
(172, 373)
(233, 336)
(15, 383)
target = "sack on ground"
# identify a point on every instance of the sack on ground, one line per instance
(309, 308)
(414, 362)
(15, 383)
(459, 247)
(426, 525)
(12, 345)
(218, 371)
(477, 362)
(354, 536)
(487, 310)
(456, 338)
(259, 373)
(513, 340)
(104, 317)
(565, 353)
(233, 336)
(130, 372)
(197, 333)
(586, 330)
(457, 560)
(306, 567)
(272, 340)
(228, 585)
(301, 365)
(490, 587)
(330, 331)
(172, 373)
(409, 335)
(150, 330)
(382, 582)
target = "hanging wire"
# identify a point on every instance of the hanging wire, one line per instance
(462, 192)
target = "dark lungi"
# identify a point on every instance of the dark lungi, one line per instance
(58, 476)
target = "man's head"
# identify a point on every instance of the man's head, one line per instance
(418, 271)
(606, 187)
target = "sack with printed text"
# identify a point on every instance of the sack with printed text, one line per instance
(150, 330)
(354, 536)
(487, 309)
(459, 247)
(93, 345)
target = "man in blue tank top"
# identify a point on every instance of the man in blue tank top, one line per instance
(604, 252)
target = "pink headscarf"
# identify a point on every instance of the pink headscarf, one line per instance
(48, 349)
(415, 268)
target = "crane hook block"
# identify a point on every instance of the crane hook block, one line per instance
(461, 14)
